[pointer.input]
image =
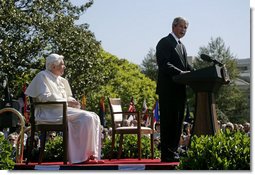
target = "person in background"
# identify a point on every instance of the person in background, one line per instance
(51, 136)
(157, 135)
(171, 60)
(84, 136)
(185, 138)
(241, 127)
(229, 126)
(247, 128)
(13, 139)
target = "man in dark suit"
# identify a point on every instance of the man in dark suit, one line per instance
(172, 60)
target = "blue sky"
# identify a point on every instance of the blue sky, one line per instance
(129, 28)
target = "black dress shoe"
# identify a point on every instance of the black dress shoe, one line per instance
(173, 158)
(176, 155)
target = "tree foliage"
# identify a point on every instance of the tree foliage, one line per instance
(149, 65)
(124, 80)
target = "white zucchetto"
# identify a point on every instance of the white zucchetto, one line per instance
(53, 57)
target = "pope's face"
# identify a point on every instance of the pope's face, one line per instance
(180, 29)
(59, 69)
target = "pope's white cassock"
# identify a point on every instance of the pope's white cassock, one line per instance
(84, 136)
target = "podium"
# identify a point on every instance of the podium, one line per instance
(205, 82)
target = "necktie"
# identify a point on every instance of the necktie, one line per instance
(180, 46)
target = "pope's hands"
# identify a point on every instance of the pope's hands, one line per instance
(74, 104)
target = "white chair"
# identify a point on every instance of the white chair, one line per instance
(117, 118)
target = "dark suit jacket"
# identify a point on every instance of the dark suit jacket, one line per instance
(171, 62)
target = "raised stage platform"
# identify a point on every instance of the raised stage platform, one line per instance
(114, 164)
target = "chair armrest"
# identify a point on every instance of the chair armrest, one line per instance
(50, 102)
(150, 114)
(126, 113)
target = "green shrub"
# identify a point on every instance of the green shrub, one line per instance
(129, 147)
(224, 151)
(54, 150)
(6, 162)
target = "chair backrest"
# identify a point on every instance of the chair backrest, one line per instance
(115, 106)
(34, 103)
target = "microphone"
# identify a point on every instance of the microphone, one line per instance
(210, 59)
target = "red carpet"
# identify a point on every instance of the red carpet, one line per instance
(114, 164)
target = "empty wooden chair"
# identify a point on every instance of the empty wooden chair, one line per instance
(117, 118)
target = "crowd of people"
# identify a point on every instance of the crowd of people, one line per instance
(234, 127)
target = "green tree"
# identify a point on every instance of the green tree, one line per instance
(229, 99)
(30, 30)
(124, 80)
(149, 65)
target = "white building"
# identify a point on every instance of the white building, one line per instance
(244, 66)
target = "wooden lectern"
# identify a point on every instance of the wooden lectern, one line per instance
(205, 82)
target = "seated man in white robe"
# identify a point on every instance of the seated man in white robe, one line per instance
(84, 136)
